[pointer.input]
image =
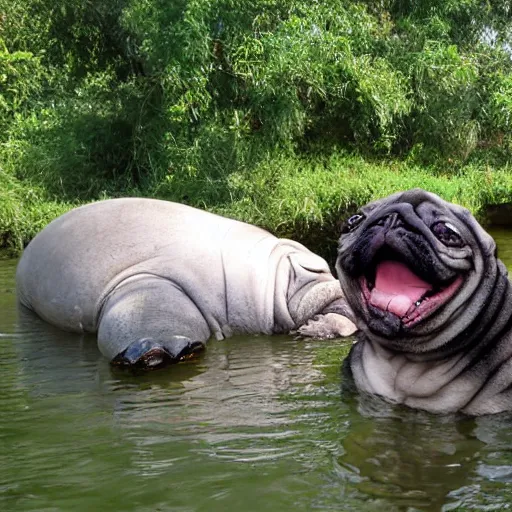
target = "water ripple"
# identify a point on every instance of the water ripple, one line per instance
(254, 424)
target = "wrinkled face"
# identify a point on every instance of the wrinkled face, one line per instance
(411, 265)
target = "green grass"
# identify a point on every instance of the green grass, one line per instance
(307, 200)
(24, 211)
(301, 198)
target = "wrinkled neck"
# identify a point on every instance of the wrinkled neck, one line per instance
(495, 320)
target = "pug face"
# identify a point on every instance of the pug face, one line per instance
(419, 273)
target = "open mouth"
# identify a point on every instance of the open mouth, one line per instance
(394, 288)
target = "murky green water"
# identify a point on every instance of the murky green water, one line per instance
(256, 424)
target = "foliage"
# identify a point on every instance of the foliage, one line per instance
(23, 212)
(203, 101)
(20, 84)
(308, 199)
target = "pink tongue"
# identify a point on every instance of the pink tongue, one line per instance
(396, 288)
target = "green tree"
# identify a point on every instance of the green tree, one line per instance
(173, 97)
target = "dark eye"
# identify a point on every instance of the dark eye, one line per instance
(351, 223)
(448, 234)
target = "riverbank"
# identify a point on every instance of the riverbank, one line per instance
(260, 111)
(305, 199)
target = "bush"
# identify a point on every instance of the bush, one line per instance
(201, 100)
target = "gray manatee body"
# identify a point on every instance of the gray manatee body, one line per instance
(433, 305)
(157, 279)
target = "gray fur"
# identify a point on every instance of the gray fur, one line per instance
(132, 269)
(460, 357)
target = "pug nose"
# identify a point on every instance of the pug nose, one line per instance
(391, 221)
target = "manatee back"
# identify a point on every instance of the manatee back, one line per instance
(68, 268)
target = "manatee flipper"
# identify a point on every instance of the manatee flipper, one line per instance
(328, 326)
(152, 354)
(149, 322)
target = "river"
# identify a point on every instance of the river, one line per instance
(255, 424)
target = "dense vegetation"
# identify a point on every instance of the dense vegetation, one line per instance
(286, 113)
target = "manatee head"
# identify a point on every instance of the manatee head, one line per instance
(420, 274)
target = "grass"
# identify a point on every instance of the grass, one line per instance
(24, 210)
(308, 200)
(305, 199)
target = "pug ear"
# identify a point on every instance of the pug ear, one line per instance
(484, 240)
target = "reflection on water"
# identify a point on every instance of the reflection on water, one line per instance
(413, 458)
(256, 423)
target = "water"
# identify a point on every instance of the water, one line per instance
(256, 424)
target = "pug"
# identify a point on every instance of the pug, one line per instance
(433, 305)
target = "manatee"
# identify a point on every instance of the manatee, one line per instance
(433, 306)
(155, 280)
